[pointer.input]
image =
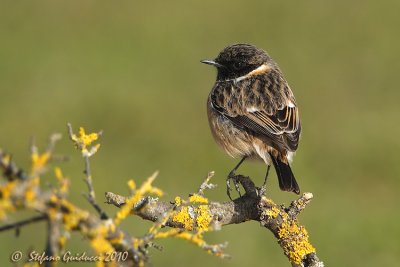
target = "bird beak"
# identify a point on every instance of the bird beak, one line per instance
(212, 62)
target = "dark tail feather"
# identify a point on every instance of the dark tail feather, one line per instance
(287, 182)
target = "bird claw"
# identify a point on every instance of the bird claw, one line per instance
(236, 183)
(262, 190)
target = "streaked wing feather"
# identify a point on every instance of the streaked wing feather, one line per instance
(278, 123)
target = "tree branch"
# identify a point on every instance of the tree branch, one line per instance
(91, 197)
(19, 224)
(281, 221)
(10, 170)
(187, 218)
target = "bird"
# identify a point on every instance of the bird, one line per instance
(253, 113)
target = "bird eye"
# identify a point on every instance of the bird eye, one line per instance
(238, 65)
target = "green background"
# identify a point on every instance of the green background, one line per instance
(132, 69)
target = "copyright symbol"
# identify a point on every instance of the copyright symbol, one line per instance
(16, 256)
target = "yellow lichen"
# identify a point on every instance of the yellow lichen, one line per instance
(6, 189)
(203, 218)
(136, 243)
(194, 238)
(191, 217)
(58, 173)
(5, 206)
(52, 213)
(273, 212)
(86, 139)
(72, 215)
(127, 208)
(145, 188)
(30, 192)
(101, 246)
(156, 191)
(53, 199)
(132, 184)
(178, 201)
(293, 238)
(169, 233)
(183, 217)
(62, 181)
(39, 160)
(102, 229)
(198, 199)
(61, 241)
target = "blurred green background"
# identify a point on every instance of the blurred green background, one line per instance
(132, 69)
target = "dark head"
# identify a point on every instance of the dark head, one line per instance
(238, 60)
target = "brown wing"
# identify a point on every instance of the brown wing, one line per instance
(263, 105)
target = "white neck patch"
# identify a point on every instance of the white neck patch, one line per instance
(263, 68)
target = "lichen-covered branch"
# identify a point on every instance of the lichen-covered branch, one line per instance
(22, 192)
(83, 144)
(187, 218)
(201, 214)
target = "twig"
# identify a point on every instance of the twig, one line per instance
(206, 185)
(39, 161)
(54, 138)
(19, 224)
(299, 204)
(10, 170)
(53, 235)
(91, 196)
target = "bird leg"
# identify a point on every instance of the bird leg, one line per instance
(264, 186)
(232, 176)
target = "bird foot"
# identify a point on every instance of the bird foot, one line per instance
(262, 190)
(236, 182)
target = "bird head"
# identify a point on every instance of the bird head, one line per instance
(238, 60)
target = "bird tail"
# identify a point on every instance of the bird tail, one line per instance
(287, 182)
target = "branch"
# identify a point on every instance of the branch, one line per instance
(24, 192)
(19, 224)
(81, 143)
(281, 221)
(50, 206)
(53, 237)
(10, 170)
(187, 218)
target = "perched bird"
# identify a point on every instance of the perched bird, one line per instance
(253, 113)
